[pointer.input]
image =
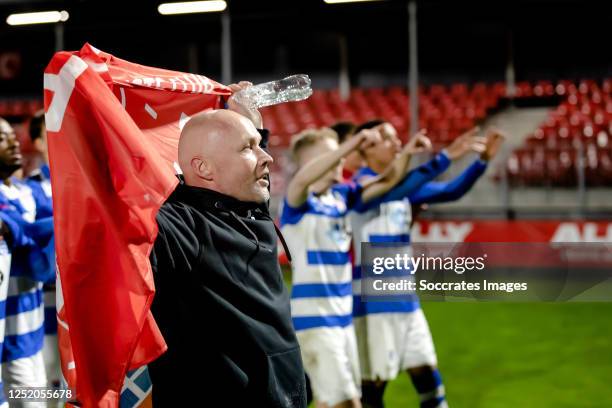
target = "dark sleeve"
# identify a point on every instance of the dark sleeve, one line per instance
(176, 246)
(161, 255)
(445, 191)
(413, 181)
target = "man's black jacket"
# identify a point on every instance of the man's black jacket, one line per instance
(222, 307)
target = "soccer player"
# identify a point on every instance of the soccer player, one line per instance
(39, 180)
(314, 224)
(13, 240)
(394, 336)
(22, 347)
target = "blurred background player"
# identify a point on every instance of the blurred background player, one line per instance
(394, 336)
(314, 224)
(22, 359)
(13, 240)
(354, 160)
(39, 180)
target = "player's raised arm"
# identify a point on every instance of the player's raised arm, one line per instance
(378, 185)
(309, 173)
(444, 191)
(426, 172)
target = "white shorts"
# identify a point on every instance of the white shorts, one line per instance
(330, 360)
(393, 342)
(25, 372)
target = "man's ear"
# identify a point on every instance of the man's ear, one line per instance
(202, 168)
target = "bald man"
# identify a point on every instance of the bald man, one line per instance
(220, 300)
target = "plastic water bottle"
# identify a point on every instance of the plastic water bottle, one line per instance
(292, 88)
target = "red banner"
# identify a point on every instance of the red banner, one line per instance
(512, 231)
(113, 129)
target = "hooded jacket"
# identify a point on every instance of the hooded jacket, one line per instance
(222, 306)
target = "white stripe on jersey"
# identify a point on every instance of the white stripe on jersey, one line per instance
(327, 306)
(390, 218)
(46, 186)
(23, 193)
(25, 322)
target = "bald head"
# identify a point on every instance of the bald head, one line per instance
(203, 132)
(219, 150)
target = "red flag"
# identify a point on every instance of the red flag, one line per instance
(113, 129)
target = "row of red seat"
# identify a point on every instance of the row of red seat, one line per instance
(559, 167)
(445, 113)
(20, 107)
(525, 89)
(578, 131)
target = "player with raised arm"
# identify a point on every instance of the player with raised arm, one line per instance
(393, 335)
(314, 224)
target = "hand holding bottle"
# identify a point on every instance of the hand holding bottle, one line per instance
(292, 88)
(239, 106)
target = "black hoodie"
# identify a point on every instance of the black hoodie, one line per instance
(222, 307)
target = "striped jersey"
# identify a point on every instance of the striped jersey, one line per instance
(389, 219)
(14, 250)
(318, 236)
(24, 324)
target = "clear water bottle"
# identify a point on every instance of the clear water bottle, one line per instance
(292, 88)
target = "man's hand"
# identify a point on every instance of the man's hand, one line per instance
(418, 143)
(367, 138)
(494, 140)
(252, 114)
(465, 143)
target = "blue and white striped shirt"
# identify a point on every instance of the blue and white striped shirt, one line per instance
(24, 308)
(21, 254)
(319, 238)
(389, 219)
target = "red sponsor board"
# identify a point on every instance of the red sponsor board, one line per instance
(506, 231)
(512, 231)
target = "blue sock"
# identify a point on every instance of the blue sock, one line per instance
(428, 384)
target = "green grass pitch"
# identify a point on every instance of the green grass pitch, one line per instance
(507, 355)
(517, 355)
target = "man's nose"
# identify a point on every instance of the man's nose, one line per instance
(265, 158)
